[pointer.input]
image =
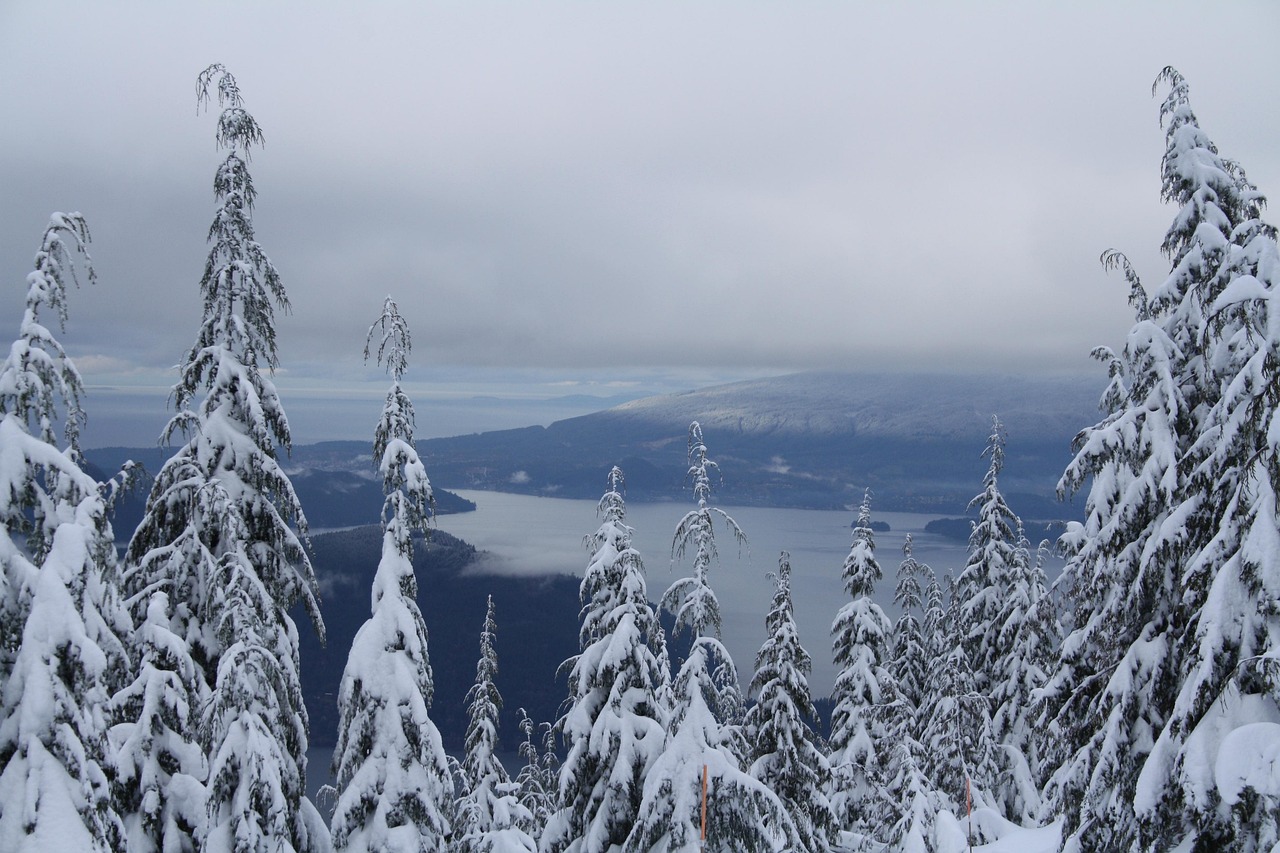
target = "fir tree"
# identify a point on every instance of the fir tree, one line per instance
(909, 666)
(785, 752)
(490, 818)
(219, 530)
(1101, 705)
(160, 769)
(614, 727)
(910, 803)
(1224, 636)
(860, 650)
(1143, 563)
(1029, 634)
(535, 785)
(59, 606)
(395, 791)
(701, 750)
(37, 379)
(956, 732)
(985, 582)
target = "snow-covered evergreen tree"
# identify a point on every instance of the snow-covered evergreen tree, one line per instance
(1029, 636)
(219, 530)
(160, 770)
(785, 752)
(62, 654)
(394, 787)
(614, 728)
(54, 788)
(37, 381)
(956, 732)
(860, 650)
(984, 583)
(909, 666)
(490, 818)
(1200, 785)
(952, 722)
(909, 803)
(1149, 566)
(1101, 707)
(537, 780)
(701, 750)
(935, 625)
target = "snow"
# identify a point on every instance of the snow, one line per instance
(952, 835)
(1249, 757)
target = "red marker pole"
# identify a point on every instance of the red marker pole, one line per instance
(704, 807)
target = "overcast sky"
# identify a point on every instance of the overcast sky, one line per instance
(617, 198)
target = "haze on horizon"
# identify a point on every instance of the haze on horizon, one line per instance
(615, 200)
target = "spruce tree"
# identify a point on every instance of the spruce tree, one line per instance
(702, 752)
(39, 385)
(1029, 635)
(1196, 786)
(490, 818)
(394, 787)
(910, 805)
(860, 650)
(1152, 567)
(1102, 703)
(222, 529)
(956, 733)
(985, 582)
(785, 753)
(614, 725)
(535, 786)
(910, 663)
(59, 602)
(160, 769)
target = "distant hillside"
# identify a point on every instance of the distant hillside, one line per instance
(806, 440)
(813, 440)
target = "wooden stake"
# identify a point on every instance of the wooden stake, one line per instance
(704, 806)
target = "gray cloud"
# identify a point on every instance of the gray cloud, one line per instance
(577, 188)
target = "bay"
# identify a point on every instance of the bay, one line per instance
(524, 534)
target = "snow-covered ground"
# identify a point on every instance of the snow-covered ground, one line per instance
(1006, 837)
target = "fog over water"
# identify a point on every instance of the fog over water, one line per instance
(540, 535)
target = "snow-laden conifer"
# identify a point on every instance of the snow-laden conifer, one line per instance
(935, 625)
(909, 803)
(614, 726)
(159, 768)
(394, 787)
(956, 732)
(221, 532)
(1101, 706)
(1205, 782)
(1140, 565)
(39, 386)
(54, 788)
(537, 780)
(785, 752)
(909, 666)
(860, 649)
(984, 583)
(62, 620)
(1029, 636)
(490, 817)
(702, 752)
